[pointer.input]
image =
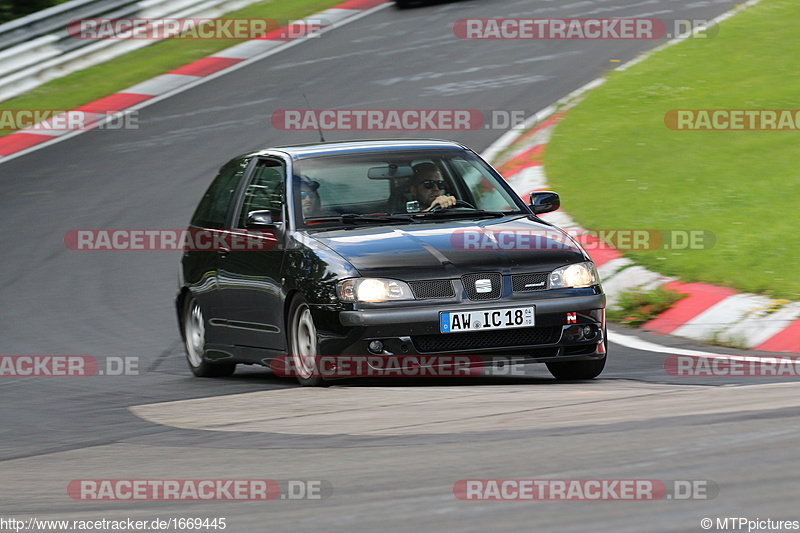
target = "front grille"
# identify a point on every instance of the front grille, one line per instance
(529, 282)
(449, 342)
(494, 278)
(437, 288)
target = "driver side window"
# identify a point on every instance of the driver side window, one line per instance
(265, 191)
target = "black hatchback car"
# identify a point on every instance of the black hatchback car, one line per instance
(383, 249)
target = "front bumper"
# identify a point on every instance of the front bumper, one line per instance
(565, 329)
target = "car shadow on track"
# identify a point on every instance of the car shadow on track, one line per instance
(260, 375)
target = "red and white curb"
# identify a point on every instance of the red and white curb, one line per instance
(709, 313)
(182, 78)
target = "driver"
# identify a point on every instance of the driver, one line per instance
(427, 187)
(309, 198)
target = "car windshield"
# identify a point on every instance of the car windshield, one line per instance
(398, 186)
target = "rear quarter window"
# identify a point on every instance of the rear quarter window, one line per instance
(212, 211)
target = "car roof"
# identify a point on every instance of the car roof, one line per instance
(301, 151)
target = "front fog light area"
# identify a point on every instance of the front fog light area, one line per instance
(373, 290)
(375, 347)
(581, 333)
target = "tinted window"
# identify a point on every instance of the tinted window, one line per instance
(402, 182)
(343, 185)
(481, 186)
(265, 191)
(213, 208)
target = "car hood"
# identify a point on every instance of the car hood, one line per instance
(452, 248)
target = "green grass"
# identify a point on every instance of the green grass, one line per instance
(120, 73)
(637, 307)
(618, 166)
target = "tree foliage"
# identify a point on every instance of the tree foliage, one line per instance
(12, 9)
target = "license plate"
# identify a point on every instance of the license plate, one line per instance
(461, 321)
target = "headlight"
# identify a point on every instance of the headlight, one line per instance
(373, 290)
(574, 276)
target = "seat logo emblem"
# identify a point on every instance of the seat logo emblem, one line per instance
(483, 286)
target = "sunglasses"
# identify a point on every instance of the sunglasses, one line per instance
(306, 194)
(433, 184)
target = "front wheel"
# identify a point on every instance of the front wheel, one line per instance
(194, 336)
(577, 370)
(580, 370)
(303, 344)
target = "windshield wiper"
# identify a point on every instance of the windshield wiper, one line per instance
(463, 213)
(408, 218)
(354, 218)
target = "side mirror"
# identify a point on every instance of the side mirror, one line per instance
(544, 202)
(260, 220)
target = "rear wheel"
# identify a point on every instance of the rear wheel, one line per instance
(303, 344)
(194, 335)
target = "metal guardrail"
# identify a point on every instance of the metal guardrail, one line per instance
(37, 48)
(55, 19)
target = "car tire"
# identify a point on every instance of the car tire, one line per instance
(303, 344)
(194, 337)
(579, 370)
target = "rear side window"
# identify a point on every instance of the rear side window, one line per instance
(213, 208)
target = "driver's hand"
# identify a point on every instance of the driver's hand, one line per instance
(444, 201)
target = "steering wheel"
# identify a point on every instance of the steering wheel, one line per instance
(459, 203)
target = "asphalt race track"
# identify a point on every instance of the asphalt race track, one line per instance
(389, 452)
